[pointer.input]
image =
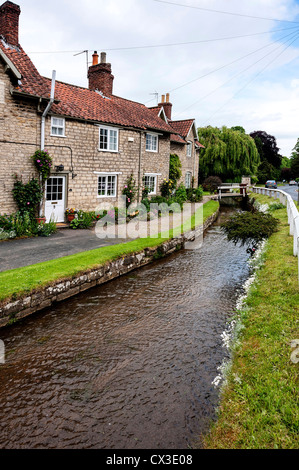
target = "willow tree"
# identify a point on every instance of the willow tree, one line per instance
(228, 153)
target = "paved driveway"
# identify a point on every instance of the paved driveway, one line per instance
(19, 253)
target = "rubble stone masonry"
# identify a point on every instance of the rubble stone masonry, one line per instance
(19, 123)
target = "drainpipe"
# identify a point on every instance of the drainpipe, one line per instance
(43, 124)
(45, 113)
(139, 167)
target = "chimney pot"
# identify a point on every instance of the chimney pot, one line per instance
(95, 58)
(163, 98)
(103, 58)
(167, 97)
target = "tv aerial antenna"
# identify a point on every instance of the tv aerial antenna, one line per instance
(156, 94)
(87, 63)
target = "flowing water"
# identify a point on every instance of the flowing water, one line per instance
(127, 365)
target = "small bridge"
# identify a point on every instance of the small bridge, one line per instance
(228, 190)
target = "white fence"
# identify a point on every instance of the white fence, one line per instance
(293, 214)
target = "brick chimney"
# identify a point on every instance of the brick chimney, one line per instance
(166, 105)
(9, 22)
(100, 75)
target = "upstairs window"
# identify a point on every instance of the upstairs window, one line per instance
(108, 139)
(57, 127)
(189, 149)
(151, 143)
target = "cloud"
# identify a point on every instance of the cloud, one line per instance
(253, 77)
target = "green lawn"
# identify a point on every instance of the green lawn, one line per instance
(17, 282)
(259, 406)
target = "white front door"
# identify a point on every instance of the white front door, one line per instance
(55, 199)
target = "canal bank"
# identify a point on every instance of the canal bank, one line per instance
(26, 298)
(259, 397)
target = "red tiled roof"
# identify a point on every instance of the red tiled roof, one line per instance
(182, 127)
(177, 139)
(82, 103)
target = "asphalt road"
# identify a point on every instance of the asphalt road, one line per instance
(292, 190)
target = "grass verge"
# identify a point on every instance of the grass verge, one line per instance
(20, 281)
(259, 403)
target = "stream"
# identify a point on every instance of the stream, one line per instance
(127, 365)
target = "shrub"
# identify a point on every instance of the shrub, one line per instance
(6, 222)
(195, 195)
(167, 188)
(181, 194)
(159, 200)
(46, 230)
(83, 220)
(276, 206)
(5, 235)
(130, 191)
(248, 227)
(27, 196)
(211, 184)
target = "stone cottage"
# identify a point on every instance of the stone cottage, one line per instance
(96, 139)
(183, 142)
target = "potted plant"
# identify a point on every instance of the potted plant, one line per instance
(41, 220)
(71, 214)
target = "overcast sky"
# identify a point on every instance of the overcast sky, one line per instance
(236, 65)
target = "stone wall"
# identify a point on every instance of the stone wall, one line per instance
(19, 123)
(83, 138)
(11, 311)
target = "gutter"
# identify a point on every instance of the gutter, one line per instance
(46, 111)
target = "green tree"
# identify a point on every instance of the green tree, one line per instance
(270, 158)
(228, 153)
(295, 161)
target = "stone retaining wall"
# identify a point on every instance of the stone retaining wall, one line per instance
(38, 300)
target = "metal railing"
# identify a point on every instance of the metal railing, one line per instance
(293, 214)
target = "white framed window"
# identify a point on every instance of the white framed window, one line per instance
(108, 141)
(151, 143)
(107, 185)
(189, 149)
(188, 180)
(150, 182)
(57, 127)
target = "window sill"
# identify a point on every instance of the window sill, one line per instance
(108, 151)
